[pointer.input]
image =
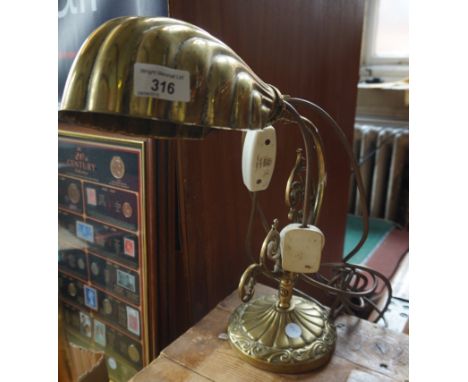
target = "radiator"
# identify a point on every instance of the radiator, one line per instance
(382, 153)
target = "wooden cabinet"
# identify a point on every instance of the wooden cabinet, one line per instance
(308, 49)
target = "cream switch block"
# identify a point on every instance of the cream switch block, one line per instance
(258, 158)
(301, 248)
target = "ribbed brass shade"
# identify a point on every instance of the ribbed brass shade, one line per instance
(103, 88)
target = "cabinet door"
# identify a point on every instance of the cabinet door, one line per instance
(308, 49)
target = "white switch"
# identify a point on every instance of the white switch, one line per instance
(301, 248)
(258, 158)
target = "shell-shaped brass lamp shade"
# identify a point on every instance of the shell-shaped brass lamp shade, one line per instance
(163, 77)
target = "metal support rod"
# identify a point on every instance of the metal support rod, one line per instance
(285, 290)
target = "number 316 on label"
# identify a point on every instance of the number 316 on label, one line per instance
(161, 82)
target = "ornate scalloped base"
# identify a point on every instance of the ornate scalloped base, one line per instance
(292, 340)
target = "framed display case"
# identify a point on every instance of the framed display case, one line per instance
(104, 261)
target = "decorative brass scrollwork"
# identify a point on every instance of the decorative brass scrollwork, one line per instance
(247, 282)
(294, 194)
(270, 251)
(355, 288)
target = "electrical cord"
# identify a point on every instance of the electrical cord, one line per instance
(355, 167)
(321, 171)
(350, 283)
(303, 128)
(384, 142)
(248, 236)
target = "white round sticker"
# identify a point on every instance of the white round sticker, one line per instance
(112, 363)
(293, 330)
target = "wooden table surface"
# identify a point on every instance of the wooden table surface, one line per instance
(364, 352)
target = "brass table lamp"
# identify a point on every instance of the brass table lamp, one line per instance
(161, 77)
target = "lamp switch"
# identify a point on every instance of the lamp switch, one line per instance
(258, 158)
(301, 248)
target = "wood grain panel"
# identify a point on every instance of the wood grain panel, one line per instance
(306, 48)
(357, 356)
(165, 370)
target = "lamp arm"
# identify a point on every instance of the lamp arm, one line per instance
(354, 166)
(321, 171)
(304, 131)
(350, 286)
(308, 128)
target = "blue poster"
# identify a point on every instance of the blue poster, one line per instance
(78, 18)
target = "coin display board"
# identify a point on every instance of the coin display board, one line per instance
(102, 257)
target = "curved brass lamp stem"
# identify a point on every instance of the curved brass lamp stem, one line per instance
(321, 171)
(285, 291)
(286, 333)
(309, 216)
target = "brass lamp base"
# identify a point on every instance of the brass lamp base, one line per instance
(292, 340)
